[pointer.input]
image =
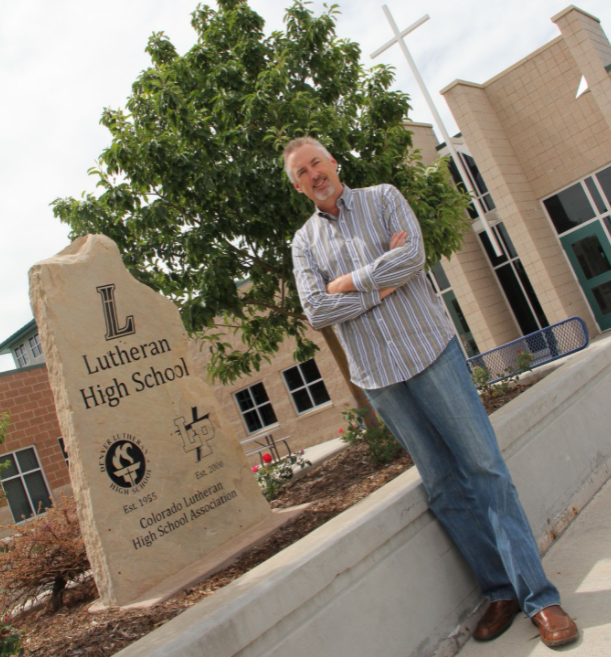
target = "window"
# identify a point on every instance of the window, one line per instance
(21, 355)
(580, 203)
(24, 484)
(255, 407)
(35, 346)
(440, 277)
(482, 194)
(515, 282)
(477, 182)
(306, 386)
(443, 289)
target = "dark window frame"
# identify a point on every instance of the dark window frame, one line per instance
(595, 188)
(512, 271)
(21, 476)
(306, 386)
(255, 407)
(21, 354)
(35, 345)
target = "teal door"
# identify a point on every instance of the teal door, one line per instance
(589, 253)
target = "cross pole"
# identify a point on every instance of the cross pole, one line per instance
(399, 38)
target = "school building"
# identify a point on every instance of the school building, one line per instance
(536, 140)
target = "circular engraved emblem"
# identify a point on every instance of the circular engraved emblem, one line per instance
(123, 459)
(125, 464)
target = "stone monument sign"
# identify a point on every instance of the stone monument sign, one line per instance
(159, 476)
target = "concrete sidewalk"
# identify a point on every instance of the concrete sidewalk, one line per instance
(579, 564)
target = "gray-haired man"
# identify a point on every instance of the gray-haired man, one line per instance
(358, 265)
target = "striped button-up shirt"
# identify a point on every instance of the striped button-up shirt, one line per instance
(389, 340)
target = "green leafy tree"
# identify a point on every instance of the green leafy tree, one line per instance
(192, 189)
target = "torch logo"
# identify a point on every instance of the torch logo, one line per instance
(125, 464)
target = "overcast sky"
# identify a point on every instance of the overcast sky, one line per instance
(62, 62)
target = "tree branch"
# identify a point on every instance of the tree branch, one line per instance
(254, 258)
(241, 252)
(227, 326)
(271, 306)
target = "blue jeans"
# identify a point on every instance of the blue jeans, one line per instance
(438, 417)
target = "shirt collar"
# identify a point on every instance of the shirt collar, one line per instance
(344, 200)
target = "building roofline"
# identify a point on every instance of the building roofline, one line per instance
(522, 61)
(20, 333)
(519, 63)
(464, 83)
(570, 8)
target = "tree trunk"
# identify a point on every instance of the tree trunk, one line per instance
(57, 594)
(340, 357)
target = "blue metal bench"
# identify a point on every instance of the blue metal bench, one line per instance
(544, 346)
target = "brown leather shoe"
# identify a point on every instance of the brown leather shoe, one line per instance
(555, 626)
(498, 618)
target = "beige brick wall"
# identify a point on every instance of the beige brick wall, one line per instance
(479, 295)
(473, 280)
(310, 428)
(530, 137)
(555, 137)
(591, 51)
(423, 139)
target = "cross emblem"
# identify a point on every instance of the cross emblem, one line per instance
(194, 434)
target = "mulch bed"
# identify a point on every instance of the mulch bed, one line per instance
(495, 403)
(330, 488)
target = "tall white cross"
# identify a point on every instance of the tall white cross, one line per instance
(399, 38)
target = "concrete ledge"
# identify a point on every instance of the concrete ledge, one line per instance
(383, 578)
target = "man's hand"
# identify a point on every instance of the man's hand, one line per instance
(344, 283)
(386, 291)
(398, 239)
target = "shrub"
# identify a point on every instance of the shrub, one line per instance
(10, 640)
(272, 476)
(381, 444)
(481, 376)
(42, 556)
(481, 379)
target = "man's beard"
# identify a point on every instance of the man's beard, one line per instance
(325, 193)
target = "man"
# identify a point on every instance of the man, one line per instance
(358, 265)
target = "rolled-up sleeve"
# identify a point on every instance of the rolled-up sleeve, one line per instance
(395, 267)
(323, 309)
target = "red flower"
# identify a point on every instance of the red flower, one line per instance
(519, 351)
(267, 458)
(341, 431)
(255, 468)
